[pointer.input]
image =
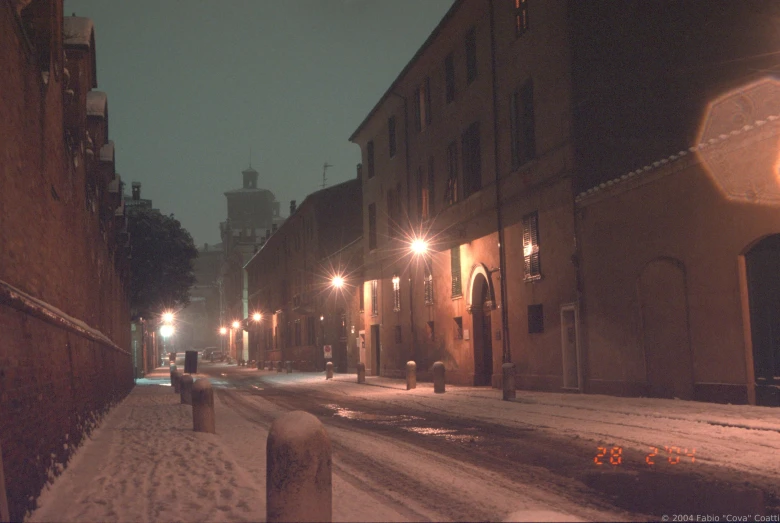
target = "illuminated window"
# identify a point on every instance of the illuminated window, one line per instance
(471, 55)
(428, 285)
(533, 264)
(422, 105)
(374, 299)
(521, 16)
(457, 290)
(396, 293)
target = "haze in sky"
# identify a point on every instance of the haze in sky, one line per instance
(193, 85)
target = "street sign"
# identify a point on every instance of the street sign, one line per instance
(328, 351)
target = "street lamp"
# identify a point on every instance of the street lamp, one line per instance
(419, 248)
(257, 317)
(167, 317)
(338, 281)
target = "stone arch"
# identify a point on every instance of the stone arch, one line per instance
(476, 270)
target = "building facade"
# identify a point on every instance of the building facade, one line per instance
(64, 312)
(479, 147)
(291, 283)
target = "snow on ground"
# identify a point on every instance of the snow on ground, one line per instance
(144, 463)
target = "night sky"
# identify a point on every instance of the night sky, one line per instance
(193, 85)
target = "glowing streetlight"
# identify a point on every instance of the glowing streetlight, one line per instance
(419, 246)
(236, 325)
(166, 331)
(257, 316)
(337, 281)
(167, 317)
(223, 330)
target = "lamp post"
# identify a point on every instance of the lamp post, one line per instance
(418, 248)
(233, 328)
(257, 318)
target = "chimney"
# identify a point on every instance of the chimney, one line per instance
(273, 228)
(360, 171)
(292, 207)
(136, 191)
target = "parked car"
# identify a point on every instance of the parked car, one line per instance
(213, 354)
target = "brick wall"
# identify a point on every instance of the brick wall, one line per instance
(54, 381)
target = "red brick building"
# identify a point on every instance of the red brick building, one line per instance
(290, 282)
(64, 314)
(479, 146)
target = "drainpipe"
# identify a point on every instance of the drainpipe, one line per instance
(413, 350)
(507, 355)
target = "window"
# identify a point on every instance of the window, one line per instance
(311, 330)
(371, 226)
(533, 265)
(362, 294)
(471, 55)
(457, 333)
(422, 105)
(472, 161)
(535, 319)
(297, 333)
(452, 193)
(455, 266)
(370, 154)
(521, 109)
(391, 228)
(428, 285)
(396, 293)
(521, 16)
(36, 19)
(391, 132)
(431, 331)
(423, 200)
(374, 299)
(449, 78)
(398, 334)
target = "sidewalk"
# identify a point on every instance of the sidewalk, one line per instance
(144, 463)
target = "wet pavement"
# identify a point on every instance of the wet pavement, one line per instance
(646, 486)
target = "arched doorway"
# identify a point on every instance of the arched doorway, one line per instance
(663, 305)
(762, 264)
(483, 344)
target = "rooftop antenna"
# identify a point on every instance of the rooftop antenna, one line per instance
(324, 174)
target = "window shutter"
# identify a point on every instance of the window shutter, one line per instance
(456, 283)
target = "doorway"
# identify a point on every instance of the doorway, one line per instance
(376, 344)
(762, 264)
(572, 370)
(483, 340)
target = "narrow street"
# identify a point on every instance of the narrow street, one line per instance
(429, 465)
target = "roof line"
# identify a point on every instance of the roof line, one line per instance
(423, 47)
(669, 159)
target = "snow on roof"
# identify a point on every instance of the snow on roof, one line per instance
(107, 152)
(77, 30)
(675, 157)
(96, 103)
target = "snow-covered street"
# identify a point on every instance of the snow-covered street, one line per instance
(414, 455)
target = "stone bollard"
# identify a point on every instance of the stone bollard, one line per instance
(438, 377)
(203, 406)
(361, 372)
(173, 372)
(329, 370)
(177, 382)
(411, 375)
(186, 389)
(289, 367)
(298, 485)
(508, 379)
